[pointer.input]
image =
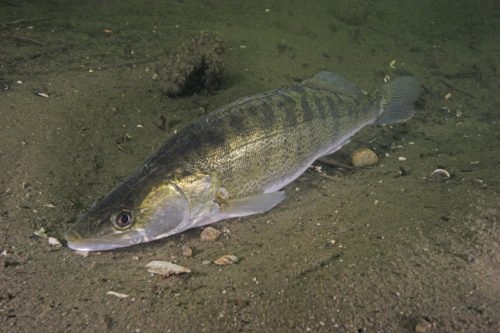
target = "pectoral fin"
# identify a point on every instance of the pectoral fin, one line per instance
(225, 209)
(251, 205)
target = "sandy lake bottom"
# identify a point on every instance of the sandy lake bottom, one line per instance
(383, 249)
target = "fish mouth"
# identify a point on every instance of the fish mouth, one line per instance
(76, 242)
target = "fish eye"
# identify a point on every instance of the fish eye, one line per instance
(122, 220)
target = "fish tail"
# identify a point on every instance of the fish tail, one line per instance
(395, 102)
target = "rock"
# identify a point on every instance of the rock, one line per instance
(209, 234)
(364, 157)
(227, 259)
(41, 233)
(423, 326)
(54, 242)
(187, 251)
(166, 268)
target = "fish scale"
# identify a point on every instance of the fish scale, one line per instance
(305, 122)
(282, 133)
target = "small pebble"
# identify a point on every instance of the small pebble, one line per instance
(364, 157)
(166, 268)
(41, 233)
(54, 242)
(187, 251)
(423, 326)
(227, 259)
(210, 234)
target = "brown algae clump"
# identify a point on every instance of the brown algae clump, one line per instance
(194, 66)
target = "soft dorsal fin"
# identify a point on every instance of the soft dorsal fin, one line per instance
(334, 83)
(397, 99)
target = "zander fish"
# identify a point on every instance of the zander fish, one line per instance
(234, 161)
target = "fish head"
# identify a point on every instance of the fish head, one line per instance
(130, 215)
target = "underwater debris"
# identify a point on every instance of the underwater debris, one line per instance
(194, 66)
(227, 259)
(116, 294)
(166, 268)
(440, 174)
(42, 233)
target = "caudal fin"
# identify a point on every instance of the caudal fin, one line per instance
(396, 100)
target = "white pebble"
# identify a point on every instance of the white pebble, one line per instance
(54, 242)
(166, 268)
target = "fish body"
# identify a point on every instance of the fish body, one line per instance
(234, 161)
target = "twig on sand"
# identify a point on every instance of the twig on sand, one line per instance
(22, 21)
(333, 163)
(21, 39)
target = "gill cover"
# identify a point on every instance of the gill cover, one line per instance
(164, 210)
